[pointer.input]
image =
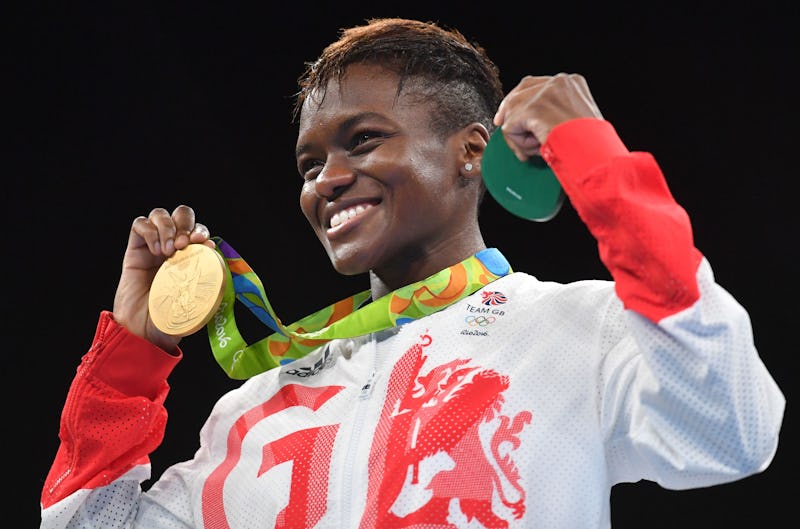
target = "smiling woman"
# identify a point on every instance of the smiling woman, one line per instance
(372, 149)
(457, 391)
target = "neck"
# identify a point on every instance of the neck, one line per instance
(384, 281)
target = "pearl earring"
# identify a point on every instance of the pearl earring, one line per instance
(468, 166)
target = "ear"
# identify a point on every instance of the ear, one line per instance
(473, 139)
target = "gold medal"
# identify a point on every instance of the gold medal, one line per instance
(187, 290)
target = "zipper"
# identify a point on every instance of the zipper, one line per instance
(366, 389)
(351, 460)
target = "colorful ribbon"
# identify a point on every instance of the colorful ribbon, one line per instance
(346, 318)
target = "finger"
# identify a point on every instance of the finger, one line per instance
(500, 115)
(518, 93)
(516, 105)
(183, 218)
(145, 232)
(201, 234)
(523, 142)
(162, 222)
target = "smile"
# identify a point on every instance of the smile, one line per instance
(347, 215)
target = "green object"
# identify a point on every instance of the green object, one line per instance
(527, 189)
(346, 318)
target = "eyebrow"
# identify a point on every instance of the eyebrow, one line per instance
(347, 124)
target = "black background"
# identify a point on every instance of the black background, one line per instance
(111, 111)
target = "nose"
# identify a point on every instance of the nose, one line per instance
(334, 178)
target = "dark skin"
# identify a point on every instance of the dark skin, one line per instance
(362, 147)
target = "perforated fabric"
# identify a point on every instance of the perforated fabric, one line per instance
(520, 406)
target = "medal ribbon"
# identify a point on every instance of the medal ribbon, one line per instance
(346, 318)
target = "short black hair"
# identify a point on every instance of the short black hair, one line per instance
(454, 73)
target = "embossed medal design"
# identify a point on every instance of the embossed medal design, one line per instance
(187, 290)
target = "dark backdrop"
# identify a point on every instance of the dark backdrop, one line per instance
(112, 111)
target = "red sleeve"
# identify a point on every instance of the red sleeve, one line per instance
(643, 236)
(114, 415)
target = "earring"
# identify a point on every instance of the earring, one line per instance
(468, 166)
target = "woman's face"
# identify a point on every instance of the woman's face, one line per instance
(381, 189)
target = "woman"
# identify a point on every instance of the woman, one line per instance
(460, 393)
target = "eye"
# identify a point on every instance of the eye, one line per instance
(309, 169)
(365, 140)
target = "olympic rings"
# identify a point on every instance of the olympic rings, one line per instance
(480, 321)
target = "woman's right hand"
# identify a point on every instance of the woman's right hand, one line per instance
(153, 239)
(537, 105)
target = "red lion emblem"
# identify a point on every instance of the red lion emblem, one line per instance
(443, 421)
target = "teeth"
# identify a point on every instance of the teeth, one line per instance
(347, 214)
